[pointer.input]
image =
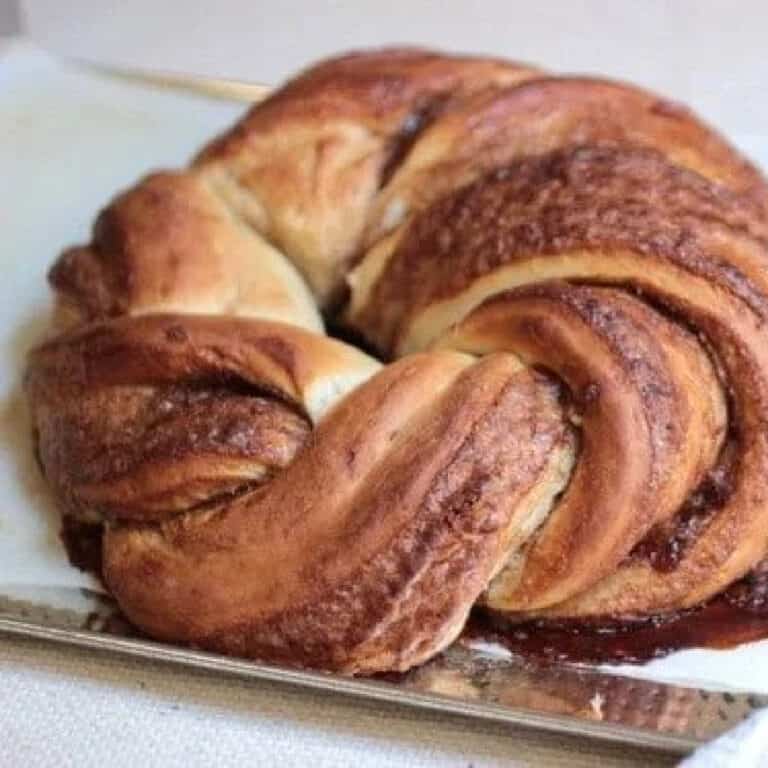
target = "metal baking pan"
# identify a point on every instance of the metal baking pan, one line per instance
(564, 698)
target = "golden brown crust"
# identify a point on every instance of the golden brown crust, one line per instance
(577, 199)
(617, 358)
(268, 493)
(140, 453)
(141, 418)
(421, 529)
(542, 115)
(303, 166)
(381, 89)
(170, 245)
(618, 217)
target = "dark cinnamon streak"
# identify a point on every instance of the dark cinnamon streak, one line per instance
(116, 405)
(666, 543)
(410, 130)
(587, 198)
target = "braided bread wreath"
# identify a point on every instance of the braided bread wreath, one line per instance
(569, 277)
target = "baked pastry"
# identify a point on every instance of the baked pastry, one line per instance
(568, 280)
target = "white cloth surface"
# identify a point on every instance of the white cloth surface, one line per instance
(73, 140)
(746, 746)
(63, 707)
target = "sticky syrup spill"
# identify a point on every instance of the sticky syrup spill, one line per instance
(82, 542)
(739, 615)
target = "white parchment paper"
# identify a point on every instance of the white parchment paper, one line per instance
(69, 140)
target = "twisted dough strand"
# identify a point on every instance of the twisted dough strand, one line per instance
(580, 268)
(614, 217)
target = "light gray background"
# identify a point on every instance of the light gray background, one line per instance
(9, 17)
(710, 53)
